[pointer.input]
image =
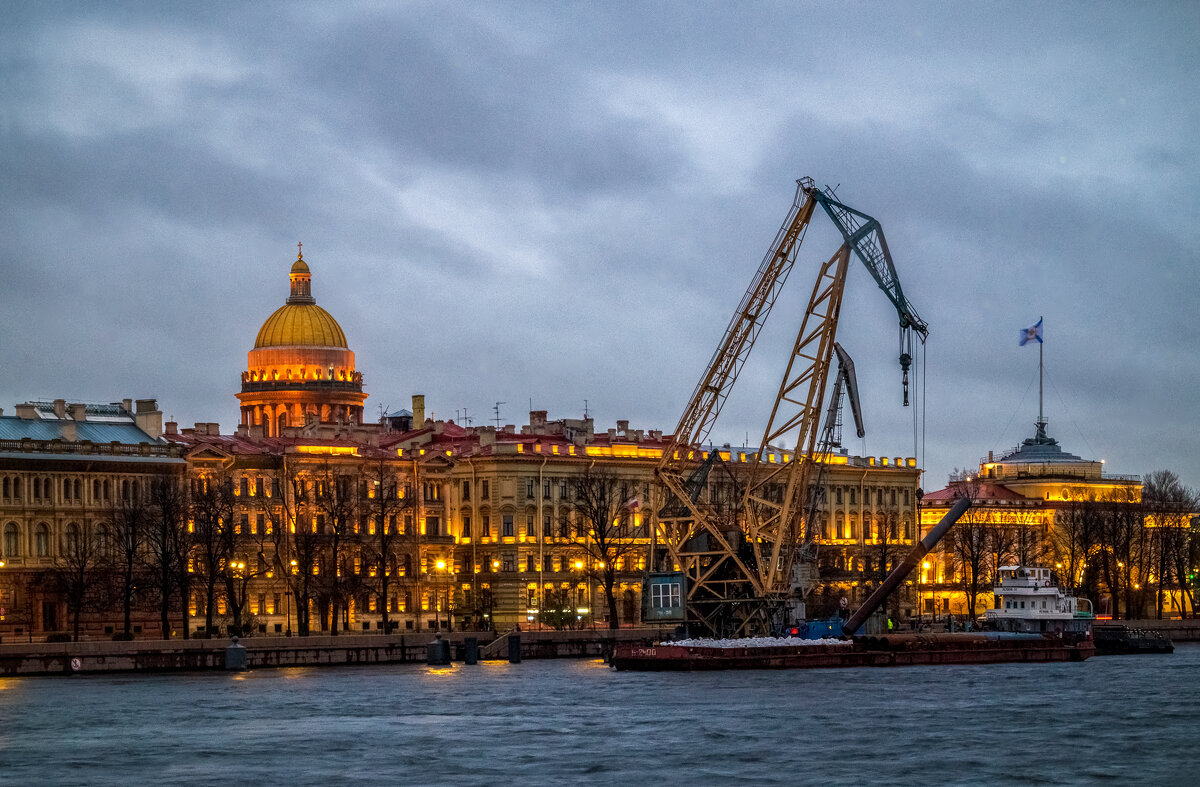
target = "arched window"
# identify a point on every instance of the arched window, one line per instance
(37, 489)
(12, 540)
(7, 487)
(72, 540)
(17, 487)
(78, 488)
(102, 540)
(41, 540)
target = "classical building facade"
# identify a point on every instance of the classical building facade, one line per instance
(485, 529)
(66, 472)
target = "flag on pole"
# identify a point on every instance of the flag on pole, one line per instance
(1032, 333)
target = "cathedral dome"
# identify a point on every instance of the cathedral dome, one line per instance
(300, 370)
(300, 325)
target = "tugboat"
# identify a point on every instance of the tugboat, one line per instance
(1028, 601)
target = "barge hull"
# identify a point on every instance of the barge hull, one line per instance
(685, 659)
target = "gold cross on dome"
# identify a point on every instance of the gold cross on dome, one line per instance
(299, 251)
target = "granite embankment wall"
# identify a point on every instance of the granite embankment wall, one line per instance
(1187, 630)
(66, 658)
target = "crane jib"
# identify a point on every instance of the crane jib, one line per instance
(875, 256)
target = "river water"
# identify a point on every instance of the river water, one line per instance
(1115, 719)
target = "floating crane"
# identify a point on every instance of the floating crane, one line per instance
(738, 561)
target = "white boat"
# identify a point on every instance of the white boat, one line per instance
(1028, 600)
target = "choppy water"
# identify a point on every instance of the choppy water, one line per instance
(1117, 719)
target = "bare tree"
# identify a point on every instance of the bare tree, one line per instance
(1120, 543)
(212, 504)
(385, 505)
(129, 515)
(1169, 507)
(889, 546)
(167, 547)
(1074, 539)
(79, 573)
(335, 501)
(248, 560)
(288, 523)
(971, 542)
(605, 509)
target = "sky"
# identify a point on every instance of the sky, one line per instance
(553, 204)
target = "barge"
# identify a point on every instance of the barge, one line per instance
(896, 650)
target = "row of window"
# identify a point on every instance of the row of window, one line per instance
(14, 546)
(892, 496)
(531, 489)
(72, 489)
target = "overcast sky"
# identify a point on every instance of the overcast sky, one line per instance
(561, 202)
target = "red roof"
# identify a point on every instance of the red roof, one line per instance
(978, 491)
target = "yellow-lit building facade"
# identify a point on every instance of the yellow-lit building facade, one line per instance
(1020, 492)
(488, 536)
(67, 470)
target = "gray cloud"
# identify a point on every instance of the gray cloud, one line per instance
(518, 201)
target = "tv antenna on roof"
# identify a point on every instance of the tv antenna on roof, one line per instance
(496, 410)
(585, 409)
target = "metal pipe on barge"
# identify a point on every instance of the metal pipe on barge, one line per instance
(919, 551)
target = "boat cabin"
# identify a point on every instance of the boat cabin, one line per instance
(1027, 599)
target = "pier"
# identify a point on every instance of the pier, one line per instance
(89, 657)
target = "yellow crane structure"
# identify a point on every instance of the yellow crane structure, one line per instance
(740, 557)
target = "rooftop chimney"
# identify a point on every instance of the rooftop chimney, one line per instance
(149, 417)
(60, 408)
(172, 427)
(78, 412)
(127, 405)
(418, 408)
(26, 411)
(70, 431)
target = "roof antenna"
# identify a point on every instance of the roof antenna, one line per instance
(496, 410)
(585, 409)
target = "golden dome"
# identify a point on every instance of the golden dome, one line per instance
(300, 266)
(300, 324)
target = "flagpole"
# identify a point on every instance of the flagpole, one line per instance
(1041, 411)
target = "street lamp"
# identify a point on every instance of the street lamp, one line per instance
(441, 566)
(921, 591)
